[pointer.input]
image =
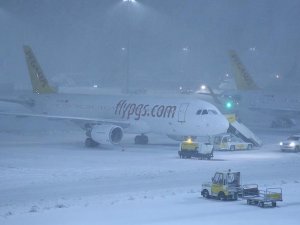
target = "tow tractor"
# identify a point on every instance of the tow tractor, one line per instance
(191, 149)
(228, 142)
(226, 186)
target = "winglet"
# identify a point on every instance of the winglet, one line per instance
(243, 79)
(39, 82)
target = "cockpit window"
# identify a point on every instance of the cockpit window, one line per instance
(204, 112)
(207, 111)
(212, 112)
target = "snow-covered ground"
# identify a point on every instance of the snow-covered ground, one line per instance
(51, 178)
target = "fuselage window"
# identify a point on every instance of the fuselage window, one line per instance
(204, 112)
(199, 112)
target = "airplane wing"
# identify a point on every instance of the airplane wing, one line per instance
(26, 102)
(276, 111)
(82, 121)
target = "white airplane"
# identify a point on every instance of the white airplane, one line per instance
(105, 117)
(283, 107)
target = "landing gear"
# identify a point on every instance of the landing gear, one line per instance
(90, 143)
(141, 140)
(283, 123)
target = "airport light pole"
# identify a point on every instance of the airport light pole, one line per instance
(185, 52)
(129, 4)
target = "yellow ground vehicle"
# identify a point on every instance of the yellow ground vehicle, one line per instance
(228, 142)
(191, 149)
(224, 186)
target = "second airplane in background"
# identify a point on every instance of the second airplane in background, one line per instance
(283, 107)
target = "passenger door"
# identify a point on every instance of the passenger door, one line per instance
(182, 111)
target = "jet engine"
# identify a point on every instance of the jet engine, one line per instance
(107, 134)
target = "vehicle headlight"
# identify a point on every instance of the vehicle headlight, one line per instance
(292, 144)
(280, 143)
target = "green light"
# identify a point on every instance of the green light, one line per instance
(229, 105)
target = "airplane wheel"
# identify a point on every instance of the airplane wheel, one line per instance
(145, 139)
(141, 139)
(90, 143)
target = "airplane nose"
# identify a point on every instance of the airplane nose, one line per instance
(225, 124)
(218, 126)
(222, 124)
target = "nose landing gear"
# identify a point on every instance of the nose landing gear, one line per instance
(141, 139)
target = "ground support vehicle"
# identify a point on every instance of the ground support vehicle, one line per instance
(228, 142)
(292, 144)
(267, 197)
(224, 186)
(190, 149)
(241, 131)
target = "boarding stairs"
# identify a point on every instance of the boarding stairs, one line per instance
(241, 131)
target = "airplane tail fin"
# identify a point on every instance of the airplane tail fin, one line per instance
(39, 82)
(243, 79)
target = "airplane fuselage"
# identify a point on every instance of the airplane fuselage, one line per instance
(171, 116)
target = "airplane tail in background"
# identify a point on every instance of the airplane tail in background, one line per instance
(242, 78)
(39, 82)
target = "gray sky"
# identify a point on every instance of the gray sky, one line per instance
(83, 40)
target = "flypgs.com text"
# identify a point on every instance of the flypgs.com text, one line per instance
(127, 110)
